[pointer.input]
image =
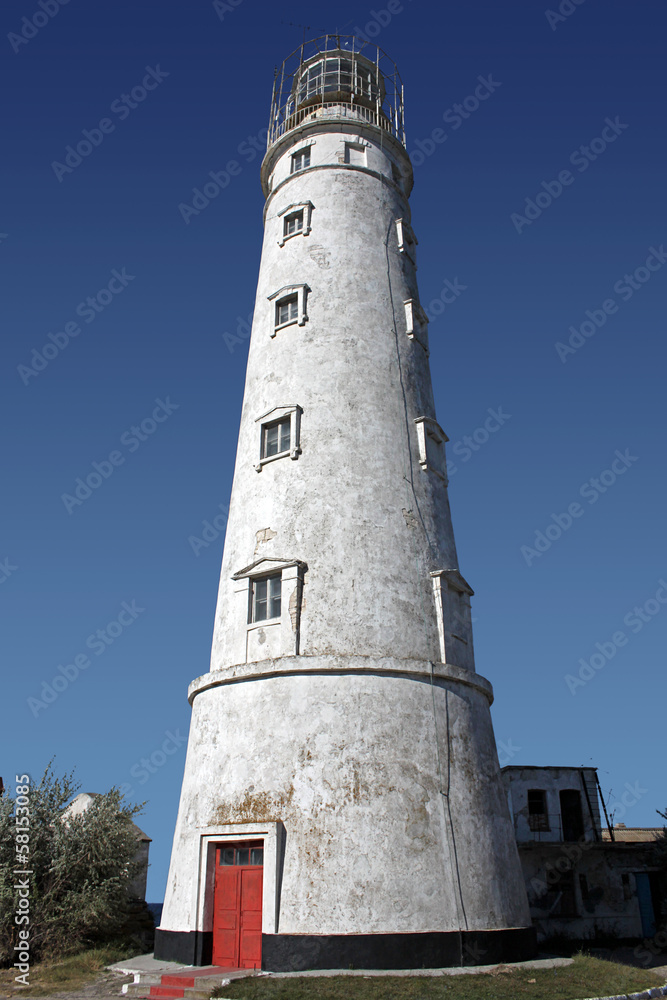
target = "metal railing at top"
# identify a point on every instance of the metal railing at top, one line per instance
(332, 110)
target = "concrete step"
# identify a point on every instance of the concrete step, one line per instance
(197, 986)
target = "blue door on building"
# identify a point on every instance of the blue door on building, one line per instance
(645, 903)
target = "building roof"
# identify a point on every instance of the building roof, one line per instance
(548, 767)
(633, 834)
(83, 800)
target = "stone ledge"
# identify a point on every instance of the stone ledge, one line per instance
(385, 666)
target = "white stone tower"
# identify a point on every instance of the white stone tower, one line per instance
(342, 801)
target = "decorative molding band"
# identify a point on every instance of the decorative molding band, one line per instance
(379, 666)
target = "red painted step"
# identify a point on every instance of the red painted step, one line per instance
(167, 991)
(179, 980)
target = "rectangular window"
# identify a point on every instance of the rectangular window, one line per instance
(355, 154)
(276, 438)
(572, 818)
(266, 598)
(293, 223)
(538, 818)
(241, 855)
(287, 310)
(301, 160)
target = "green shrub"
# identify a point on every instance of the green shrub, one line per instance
(82, 869)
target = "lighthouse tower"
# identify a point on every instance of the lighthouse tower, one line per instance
(342, 800)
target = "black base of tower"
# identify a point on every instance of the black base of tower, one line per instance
(301, 952)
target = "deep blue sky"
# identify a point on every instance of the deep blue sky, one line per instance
(162, 337)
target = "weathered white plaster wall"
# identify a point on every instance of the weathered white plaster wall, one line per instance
(348, 761)
(361, 382)
(379, 760)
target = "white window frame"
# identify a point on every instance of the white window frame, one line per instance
(416, 323)
(291, 410)
(279, 297)
(358, 146)
(300, 152)
(432, 440)
(292, 572)
(303, 206)
(406, 239)
(452, 602)
(252, 620)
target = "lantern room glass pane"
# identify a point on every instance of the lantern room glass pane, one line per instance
(337, 75)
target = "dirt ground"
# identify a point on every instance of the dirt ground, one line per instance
(104, 986)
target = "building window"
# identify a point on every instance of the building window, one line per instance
(431, 440)
(293, 224)
(280, 433)
(269, 597)
(416, 323)
(301, 160)
(571, 815)
(452, 601)
(287, 310)
(265, 598)
(296, 221)
(243, 854)
(538, 818)
(355, 154)
(289, 306)
(275, 438)
(406, 239)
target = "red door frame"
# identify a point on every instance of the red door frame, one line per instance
(237, 910)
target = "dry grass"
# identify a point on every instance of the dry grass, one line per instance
(63, 974)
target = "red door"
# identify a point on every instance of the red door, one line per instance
(237, 907)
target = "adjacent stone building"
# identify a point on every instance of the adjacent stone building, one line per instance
(584, 882)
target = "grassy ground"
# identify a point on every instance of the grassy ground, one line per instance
(65, 974)
(587, 977)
